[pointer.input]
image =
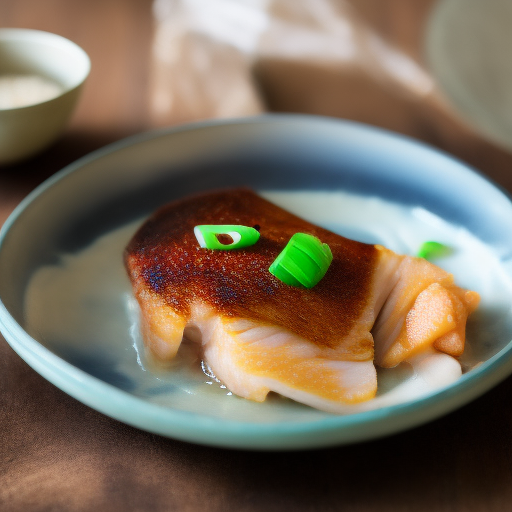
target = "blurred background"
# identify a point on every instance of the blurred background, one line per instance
(166, 62)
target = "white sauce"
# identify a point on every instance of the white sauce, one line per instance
(24, 90)
(83, 309)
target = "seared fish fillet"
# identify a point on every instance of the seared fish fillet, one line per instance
(259, 334)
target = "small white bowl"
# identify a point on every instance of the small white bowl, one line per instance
(26, 130)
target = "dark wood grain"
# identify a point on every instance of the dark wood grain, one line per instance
(59, 455)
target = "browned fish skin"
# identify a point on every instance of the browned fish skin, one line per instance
(165, 258)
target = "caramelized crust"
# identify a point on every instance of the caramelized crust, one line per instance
(165, 259)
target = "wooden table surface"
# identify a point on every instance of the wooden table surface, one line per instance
(57, 454)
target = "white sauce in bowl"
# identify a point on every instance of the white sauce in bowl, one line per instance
(24, 90)
(83, 310)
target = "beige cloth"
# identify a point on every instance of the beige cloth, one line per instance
(218, 58)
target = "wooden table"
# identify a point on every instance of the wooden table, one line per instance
(57, 454)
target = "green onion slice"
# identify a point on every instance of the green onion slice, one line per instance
(225, 236)
(303, 262)
(432, 250)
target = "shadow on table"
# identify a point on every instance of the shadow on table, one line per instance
(456, 463)
(70, 147)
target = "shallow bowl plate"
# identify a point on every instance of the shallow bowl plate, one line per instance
(126, 181)
(467, 48)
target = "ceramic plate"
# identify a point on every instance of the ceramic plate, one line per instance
(66, 306)
(467, 47)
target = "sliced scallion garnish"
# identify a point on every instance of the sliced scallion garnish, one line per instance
(303, 262)
(431, 250)
(225, 236)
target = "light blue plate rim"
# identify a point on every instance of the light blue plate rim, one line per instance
(188, 426)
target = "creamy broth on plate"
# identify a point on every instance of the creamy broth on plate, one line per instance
(83, 310)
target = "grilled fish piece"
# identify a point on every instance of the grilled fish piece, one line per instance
(259, 334)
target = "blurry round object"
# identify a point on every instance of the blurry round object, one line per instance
(468, 48)
(41, 75)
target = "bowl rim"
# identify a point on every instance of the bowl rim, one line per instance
(38, 37)
(190, 426)
(460, 96)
